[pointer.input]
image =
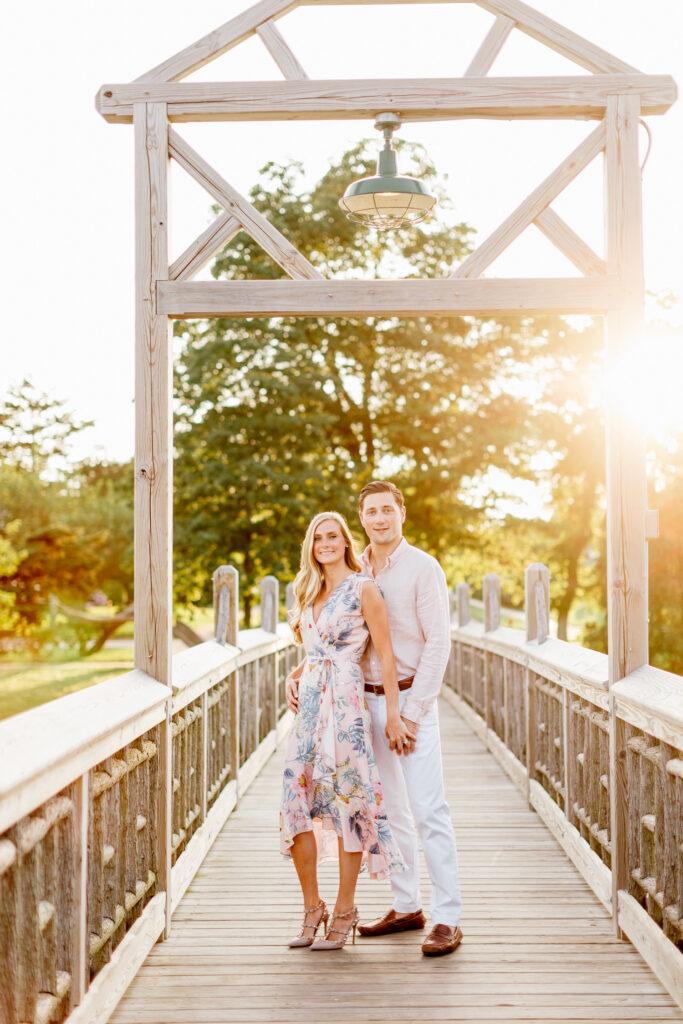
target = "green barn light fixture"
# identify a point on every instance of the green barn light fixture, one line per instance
(387, 199)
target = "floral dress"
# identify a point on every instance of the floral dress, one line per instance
(331, 784)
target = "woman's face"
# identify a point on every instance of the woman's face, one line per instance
(329, 544)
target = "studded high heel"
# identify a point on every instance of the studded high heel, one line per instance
(307, 940)
(328, 943)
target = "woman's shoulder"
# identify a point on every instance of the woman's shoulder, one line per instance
(366, 585)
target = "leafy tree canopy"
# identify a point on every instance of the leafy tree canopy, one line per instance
(281, 418)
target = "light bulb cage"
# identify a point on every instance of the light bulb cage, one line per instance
(387, 199)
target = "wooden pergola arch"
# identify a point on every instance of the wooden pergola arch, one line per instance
(613, 94)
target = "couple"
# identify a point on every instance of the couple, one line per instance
(333, 800)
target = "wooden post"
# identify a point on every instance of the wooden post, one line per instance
(204, 757)
(79, 956)
(627, 615)
(270, 598)
(462, 600)
(537, 601)
(270, 610)
(491, 592)
(226, 603)
(289, 596)
(530, 730)
(154, 447)
(491, 589)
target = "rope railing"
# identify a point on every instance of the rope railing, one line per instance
(602, 767)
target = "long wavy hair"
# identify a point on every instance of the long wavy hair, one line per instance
(309, 579)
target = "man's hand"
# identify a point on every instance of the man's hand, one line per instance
(411, 730)
(402, 735)
(292, 692)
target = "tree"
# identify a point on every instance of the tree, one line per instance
(35, 428)
(281, 418)
(55, 556)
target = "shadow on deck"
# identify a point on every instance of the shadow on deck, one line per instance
(538, 946)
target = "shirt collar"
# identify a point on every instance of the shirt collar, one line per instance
(391, 560)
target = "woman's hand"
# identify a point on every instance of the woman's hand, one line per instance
(292, 690)
(401, 738)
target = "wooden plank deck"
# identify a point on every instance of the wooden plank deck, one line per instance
(538, 947)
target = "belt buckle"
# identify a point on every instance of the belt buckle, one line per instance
(377, 689)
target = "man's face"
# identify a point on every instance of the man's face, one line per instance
(382, 518)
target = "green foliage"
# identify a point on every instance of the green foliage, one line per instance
(67, 537)
(282, 418)
(35, 429)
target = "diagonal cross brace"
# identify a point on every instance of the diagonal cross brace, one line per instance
(542, 196)
(255, 224)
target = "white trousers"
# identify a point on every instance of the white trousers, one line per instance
(414, 782)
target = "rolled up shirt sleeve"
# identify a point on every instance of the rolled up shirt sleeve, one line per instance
(433, 616)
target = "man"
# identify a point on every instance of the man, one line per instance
(416, 596)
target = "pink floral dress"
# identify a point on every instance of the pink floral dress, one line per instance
(331, 784)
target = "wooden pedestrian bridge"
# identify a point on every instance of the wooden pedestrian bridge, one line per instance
(128, 813)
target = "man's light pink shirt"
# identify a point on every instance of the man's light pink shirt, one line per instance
(416, 596)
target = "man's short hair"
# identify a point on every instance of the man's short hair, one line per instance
(380, 487)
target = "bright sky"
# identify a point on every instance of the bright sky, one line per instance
(67, 175)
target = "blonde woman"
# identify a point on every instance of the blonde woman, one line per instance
(331, 788)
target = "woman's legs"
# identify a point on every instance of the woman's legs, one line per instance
(305, 856)
(349, 866)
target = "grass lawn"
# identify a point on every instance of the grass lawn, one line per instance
(26, 682)
(24, 685)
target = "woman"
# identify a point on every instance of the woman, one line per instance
(331, 785)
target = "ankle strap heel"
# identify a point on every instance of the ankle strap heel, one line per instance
(352, 917)
(307, 940)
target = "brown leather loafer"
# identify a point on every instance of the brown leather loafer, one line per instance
(393, 922)
(441, 940)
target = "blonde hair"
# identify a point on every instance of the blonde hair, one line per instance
(309, 580)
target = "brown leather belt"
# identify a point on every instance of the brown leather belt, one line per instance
(378, 689)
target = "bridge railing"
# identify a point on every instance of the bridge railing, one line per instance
(603, 768)
(91, 807)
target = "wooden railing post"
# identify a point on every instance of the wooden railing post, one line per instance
(627, 573)
(154, 449)
(491, 589)
(289, 596)
(226, 603)
(462, 600)
(79, 936)
(462, 604)
(537, 614)
(537, 601)
(491, 592)
(270, 609)
(270, 598)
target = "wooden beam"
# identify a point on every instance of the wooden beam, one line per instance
(626, 473)
(496, 243)
(268, 237)
(153, 571)
(280, 52)
(627, 570)
(217, 42)
(490, 48)
(557, 37)
(198, 254)
(153, 413)
(568, 242)
(387, 298)
(570, 96)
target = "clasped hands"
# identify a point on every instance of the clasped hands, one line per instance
(401, 732)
